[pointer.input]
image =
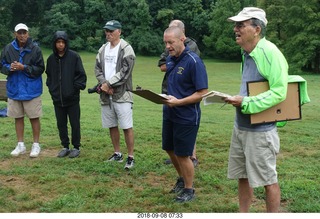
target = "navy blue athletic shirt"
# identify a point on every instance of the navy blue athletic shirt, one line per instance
(186, 75)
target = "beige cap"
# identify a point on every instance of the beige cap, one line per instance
(248, 13)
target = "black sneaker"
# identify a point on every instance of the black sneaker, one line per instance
(74, 153)
(129, 163)
(179, 186)
(186, 195)
(168, 161)
(116, 157)
(64, 152)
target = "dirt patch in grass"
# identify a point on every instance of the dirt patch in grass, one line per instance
(19, 189)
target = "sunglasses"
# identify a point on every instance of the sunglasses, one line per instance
(240, 25)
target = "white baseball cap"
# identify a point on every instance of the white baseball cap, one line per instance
(21, 26)
(248, 13)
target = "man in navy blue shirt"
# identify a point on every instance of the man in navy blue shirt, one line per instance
(187, 82)
(191, 43)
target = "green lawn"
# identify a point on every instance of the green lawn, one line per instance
(87, 184)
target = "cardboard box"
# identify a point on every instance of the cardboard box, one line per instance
(289, 109)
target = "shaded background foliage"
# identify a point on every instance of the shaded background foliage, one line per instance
(293, 24)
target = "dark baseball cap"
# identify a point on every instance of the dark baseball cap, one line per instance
(112, 25)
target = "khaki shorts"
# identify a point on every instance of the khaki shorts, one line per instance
(31, 108)
(117, 114)
(253, 156)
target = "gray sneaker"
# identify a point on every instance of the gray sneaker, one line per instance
(64, 152)
(179, 186)
(129, 163)
(74, 153)
(116, 157)
(185, 196)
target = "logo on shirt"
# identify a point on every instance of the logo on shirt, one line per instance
(109, 59)
(180, 69)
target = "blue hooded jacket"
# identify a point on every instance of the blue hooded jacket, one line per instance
(25, 84)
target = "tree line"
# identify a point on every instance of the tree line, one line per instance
(293, 25)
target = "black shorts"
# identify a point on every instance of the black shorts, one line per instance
(179, 138)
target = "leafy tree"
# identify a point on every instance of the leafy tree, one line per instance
(156, 5)
(164, 17)
(162, 13)
(29, 12)
(206, 4)
(221, 41)
(95, 11)
(13, 12)
(192, 14)
(302, 35)
(293, 25)
(94, 20)
(137, 26)
(62, 16)
(276, 24)
(6, 29)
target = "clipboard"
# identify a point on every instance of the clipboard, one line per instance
(151, 96)
(289, 109)
(214, 97)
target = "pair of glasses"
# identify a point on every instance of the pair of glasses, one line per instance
(21, 32)
(240, 25)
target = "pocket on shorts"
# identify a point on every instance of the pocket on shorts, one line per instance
(273, 140)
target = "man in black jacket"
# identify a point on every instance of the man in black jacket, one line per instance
(65, 78)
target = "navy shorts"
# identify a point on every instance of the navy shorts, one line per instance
(179, 138)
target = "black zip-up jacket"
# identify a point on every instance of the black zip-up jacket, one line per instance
(65, 75)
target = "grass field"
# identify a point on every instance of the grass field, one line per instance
(87, 184)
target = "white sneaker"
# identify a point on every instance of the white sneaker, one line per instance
(20, 149)
(35, 150)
